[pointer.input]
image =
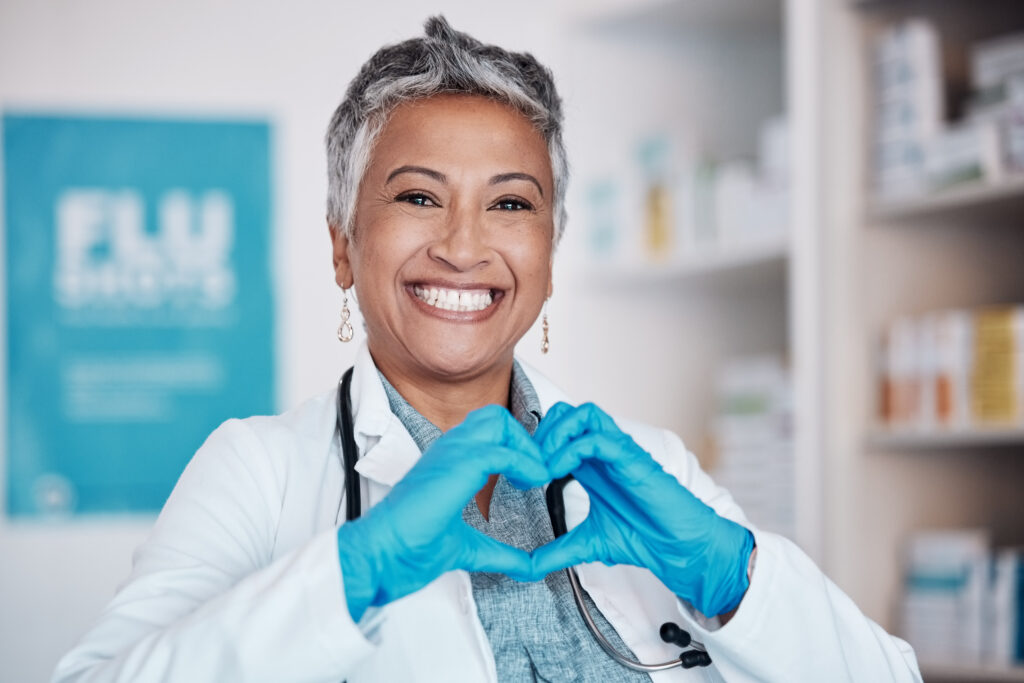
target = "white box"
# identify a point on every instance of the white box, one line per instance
(992, 61)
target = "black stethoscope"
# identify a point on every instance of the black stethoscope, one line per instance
(670, 632)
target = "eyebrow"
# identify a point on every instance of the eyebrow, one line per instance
(505, 177)
(429, 172)
(442, 178)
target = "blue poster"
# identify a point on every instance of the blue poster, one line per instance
(139, 303)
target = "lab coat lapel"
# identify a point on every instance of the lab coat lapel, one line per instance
(386, 449)
(429, 635)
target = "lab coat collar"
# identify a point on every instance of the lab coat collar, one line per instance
(387, 450)
(547, 393)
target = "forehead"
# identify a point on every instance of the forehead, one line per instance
(452, 130)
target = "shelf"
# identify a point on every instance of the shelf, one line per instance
(754, 263)
(1005, 197)
(981, 674)
(696, 17)
(906, 438)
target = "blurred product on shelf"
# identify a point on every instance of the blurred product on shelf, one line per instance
(604, 214)
(945, 586)
(672, 203)
(962, 152)
(917, 151)
(734, 201)
(753, 440)
(996, 60)
(998, 379)
(1006, 640)
(954, 369)
(696, 218)
(1002, 109)
(773, 153)
(962, 603)
(909, 99)
(654, 157)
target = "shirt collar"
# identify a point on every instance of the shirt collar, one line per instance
(387, 450)
(523, 404)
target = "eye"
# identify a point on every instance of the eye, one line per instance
(417, 199)
(512, 204)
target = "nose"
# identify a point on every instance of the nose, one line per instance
(461, 245)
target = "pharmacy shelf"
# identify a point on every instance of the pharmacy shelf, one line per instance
(980, 674)
(684, 17)
(760, 263)
(918, 439)
(968, 198)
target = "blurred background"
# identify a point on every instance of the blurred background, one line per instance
(796, 238)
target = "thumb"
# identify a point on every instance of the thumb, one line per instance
(481, 553)
(576, 547)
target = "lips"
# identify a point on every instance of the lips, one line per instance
(456, 300)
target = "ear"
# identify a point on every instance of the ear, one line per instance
(342, 264)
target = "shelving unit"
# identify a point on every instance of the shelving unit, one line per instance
(850, 264)
(677, 19)
(717, 304)
(965, 198)
(979, 674)
(716, 69)
(916, 439)
(957, 248)
(756, 263)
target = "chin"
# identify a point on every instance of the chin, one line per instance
(455, 363)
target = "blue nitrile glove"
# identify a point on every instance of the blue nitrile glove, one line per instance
(640, 514)
(416, 533)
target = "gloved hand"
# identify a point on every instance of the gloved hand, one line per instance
(416, 533)
(640, 514)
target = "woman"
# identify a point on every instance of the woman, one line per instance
(447, 184)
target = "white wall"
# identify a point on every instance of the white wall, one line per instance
(640, 352)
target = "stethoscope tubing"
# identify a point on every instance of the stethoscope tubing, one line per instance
(577, 595)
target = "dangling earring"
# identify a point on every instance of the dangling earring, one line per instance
(544, 343)
(345, 332)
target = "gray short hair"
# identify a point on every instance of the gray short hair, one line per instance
(444, 61)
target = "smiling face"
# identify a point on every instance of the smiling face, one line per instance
(452, 245)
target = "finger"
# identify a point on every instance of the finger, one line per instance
(516, 438)
(616, 450)
(489, 419)
(550, 418)
(495, 424)
(574, 424)
(484, 554)
(576, 547)
(479, 461)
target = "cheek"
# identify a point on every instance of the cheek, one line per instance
(383, 248)
(531, 261)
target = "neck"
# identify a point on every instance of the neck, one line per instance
(446, 401)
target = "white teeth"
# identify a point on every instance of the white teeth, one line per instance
(454, 299)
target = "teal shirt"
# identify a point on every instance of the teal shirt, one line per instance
(535, 630)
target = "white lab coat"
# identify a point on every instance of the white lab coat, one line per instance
(240, 581)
